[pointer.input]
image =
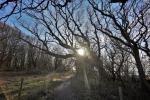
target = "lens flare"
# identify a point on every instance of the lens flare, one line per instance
(81, 51)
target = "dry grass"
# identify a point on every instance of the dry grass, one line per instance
(10, 83)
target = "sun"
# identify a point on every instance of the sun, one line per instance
(81, 51)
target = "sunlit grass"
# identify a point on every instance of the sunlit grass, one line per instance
(30, 84)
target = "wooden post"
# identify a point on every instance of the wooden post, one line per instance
(20, 89)
(120, 93)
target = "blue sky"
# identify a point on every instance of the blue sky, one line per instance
(13, 20)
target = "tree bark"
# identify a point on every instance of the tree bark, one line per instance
(139, 66)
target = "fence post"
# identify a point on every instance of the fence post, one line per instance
(120, 93)
(20, 89)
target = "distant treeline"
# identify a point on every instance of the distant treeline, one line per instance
(18, 55)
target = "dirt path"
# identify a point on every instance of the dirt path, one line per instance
(64, 92)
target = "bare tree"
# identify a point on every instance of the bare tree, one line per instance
(19, 6)
(117, 56)
(16, 55)
(120, 26)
